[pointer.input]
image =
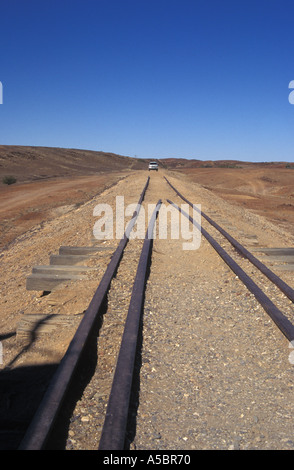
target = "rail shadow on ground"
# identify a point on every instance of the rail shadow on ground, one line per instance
(21, 392)
(82, 377)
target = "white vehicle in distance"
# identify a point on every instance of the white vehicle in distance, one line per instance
(153, 166)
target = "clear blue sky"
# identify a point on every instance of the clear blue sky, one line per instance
(203, 79)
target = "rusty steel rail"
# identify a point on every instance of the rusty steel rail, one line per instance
(114, 428)
(283, 286)
(282, 322)
(41, 426)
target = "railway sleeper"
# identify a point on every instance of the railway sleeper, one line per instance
(48, 282)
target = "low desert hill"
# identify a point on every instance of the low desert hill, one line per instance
(34, 163)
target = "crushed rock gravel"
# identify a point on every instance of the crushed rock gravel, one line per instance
(214, 371)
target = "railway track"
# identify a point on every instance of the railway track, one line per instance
(113, 433)
(39, 431)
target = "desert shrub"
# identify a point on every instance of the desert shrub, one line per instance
(8, 180)
(227, 165)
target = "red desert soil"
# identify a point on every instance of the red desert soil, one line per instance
(267, 190)
(23, 206)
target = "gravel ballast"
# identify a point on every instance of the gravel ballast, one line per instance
(213, 370)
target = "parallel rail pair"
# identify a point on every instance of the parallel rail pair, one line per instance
(42, 424)
(286, 327)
